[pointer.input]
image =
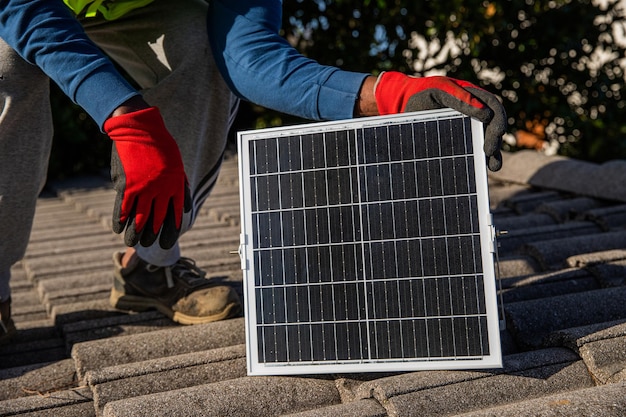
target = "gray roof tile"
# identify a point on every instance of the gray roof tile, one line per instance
(71, 403)
(561, 268)
(610, 274)
(383, 389)
(49, 377)
(166, 374)
(361, 408)
(606, 181)
(111, 326)
(492, 391)
(38, 347)
(529, 202)
(552, 254)
(247, 396)
(533, 320)
(515, 223)
(516, 265)
(567, 209)
(597, 258)
(546, 285)
(575, 337)
(168, 342)
(521, 236)
(606, 358)
(604, 401)
(612, 217)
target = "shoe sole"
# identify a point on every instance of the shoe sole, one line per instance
(134, 303)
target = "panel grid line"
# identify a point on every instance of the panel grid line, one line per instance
(445, 229)
(326, 165)
(368, 341)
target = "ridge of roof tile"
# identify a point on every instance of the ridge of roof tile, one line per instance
(492, 391)
(361, 408)
(605, 181)
(166, 374)
(246, 396)
(160, 343)
(605, 401)
(554, 253)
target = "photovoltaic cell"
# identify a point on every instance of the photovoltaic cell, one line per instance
(367, 245)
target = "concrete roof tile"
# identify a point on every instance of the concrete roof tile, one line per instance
(605, 401)
(40, 379)
(567, 209)
(383, 389)
(82, 310)
(112, 326)
(361, 408)
(508, 223)
(606, 359)
(247, 396)
(81, 243)
(606, 180)
(529, 202)
(548, 285)
(598, 258)
(62, 403)
(552, 254)
(74, 262)
(612, 217)
(75, 295)
(522, 281)
(492, 391)
(166, 374)
(610, 274)
(516, 265)
(75, 280)
(139, 347)
(532, 321)
(520, 236)
(577, 309)
(35, 350)
(500, 192)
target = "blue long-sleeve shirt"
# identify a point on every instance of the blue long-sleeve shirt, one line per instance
(262, 67)
(256, 62)
(45, 33)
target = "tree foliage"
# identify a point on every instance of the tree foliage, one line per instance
(78, 146)
(558, 65)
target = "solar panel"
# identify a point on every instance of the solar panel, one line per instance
(367, 245)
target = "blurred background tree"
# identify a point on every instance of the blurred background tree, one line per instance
(558, 65)
(78, 146)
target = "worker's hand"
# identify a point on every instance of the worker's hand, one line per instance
(396, 93)
(148, 174)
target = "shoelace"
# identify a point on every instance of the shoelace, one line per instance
(185, 268)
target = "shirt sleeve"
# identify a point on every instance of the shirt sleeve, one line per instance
(46, 34)
(262, 67)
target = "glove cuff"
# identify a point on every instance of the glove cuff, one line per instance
(389, 91)
(148, 119)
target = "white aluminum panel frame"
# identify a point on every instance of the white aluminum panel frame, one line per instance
(487, 238)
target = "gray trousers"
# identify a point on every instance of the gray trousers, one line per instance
(165, 49)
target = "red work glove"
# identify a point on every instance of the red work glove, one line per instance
(148, 175)
(396, 93)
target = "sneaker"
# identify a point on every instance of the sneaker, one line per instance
(180, 291)
(7, 327)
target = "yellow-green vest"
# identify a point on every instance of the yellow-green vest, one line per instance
(109, 9)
